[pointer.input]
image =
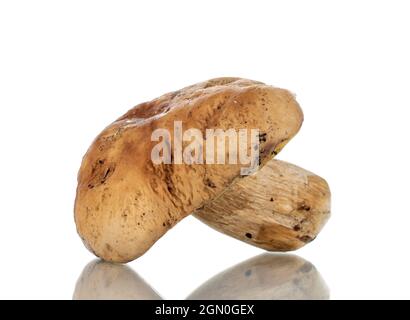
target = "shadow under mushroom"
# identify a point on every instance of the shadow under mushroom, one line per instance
(266, 277)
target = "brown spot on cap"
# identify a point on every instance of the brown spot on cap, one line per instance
(306, 238)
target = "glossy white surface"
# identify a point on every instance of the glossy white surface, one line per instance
(68, 69)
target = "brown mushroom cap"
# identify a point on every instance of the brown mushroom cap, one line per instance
(125, 203)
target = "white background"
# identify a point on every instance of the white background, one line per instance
(69, 68)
